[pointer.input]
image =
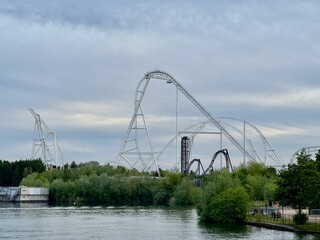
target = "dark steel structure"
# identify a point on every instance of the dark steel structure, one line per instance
(201, 171)
(185, 154)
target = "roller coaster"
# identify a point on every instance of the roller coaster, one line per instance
(186, 164)
(141, 155)
(307, 150)
(200, 171)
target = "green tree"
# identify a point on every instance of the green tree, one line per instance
(270, 189)
(216, 183)
(73, 164)
(161, 196)
(13, 172)
(298, 184)
(231, 205)
(35, 180)
(5, 173)
(185, 192)
(258, 180)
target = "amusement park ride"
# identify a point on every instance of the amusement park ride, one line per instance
(186, 164)
(138, 151)
(135, 156)
(45, 144)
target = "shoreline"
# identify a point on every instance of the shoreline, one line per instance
(280, 227)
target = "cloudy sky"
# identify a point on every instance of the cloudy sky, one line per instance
(77, 63)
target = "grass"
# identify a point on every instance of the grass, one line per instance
(285, 220)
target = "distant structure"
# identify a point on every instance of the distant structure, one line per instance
(186, 164)
(306, 150)
(200, 170)
(185, 154)
(45, 144)
(24, 194)
(137, 151)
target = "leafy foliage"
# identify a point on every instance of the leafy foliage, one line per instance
(231, 205)
(186, 193)
(300, 219)
(298, 184)
(226, 196)
(13, 172)
(258, 180)
(215, 200)
(91, 183)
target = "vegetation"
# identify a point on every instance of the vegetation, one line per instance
(224, 196)
(300, 218)
(13, 172)
(298, 185)
(224, 199)
(258, 180)
(91, 183)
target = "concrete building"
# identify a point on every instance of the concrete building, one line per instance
(24, 194)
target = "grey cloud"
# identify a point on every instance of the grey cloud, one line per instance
(65, 52)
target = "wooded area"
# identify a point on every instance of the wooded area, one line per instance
(11, 173)
(223, 196)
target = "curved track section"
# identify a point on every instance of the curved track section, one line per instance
(250, 136)
(131, 153)
(307, 150)
(201, 171)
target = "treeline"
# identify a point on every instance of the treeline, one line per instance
(299, 184)
(93, 184)
(223, 196)
(227, 197)
(11, 173)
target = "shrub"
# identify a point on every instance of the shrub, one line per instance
(300, 219)
(230, 205)
(223, 199)
(183, 192)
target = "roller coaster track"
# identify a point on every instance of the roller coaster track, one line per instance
(130, 145)
(210, 167)
(307, 150)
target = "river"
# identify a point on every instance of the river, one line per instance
(40, 221)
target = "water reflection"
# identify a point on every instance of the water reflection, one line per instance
(225, 230)
(238, 231)
(40, 221)
(23, 205)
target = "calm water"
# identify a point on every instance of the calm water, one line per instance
(44, 222)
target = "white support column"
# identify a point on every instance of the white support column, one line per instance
(177, 127)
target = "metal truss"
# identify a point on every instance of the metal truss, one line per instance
(45, 144)
(200, 169)
(241, 128)
(131, 151)
(307, 150)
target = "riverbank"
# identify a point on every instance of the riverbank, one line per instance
(281, 227)
(98, 222)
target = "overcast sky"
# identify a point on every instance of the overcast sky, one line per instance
(77, 63)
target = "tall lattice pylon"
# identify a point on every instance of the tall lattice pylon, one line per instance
(45, 144)
(138, 156)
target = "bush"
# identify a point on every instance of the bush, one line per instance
(300, 219)
(230, 205)
(183, 192)
(223, 200)
(161, 197)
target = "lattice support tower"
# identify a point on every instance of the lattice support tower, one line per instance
(130, 151)
(45, 144)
